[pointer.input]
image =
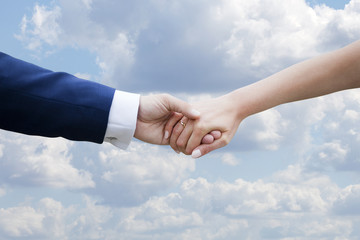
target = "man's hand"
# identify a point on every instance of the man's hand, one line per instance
(154, 113)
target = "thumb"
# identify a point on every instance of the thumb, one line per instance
(176, 105)
(203, 149)
(211, 137)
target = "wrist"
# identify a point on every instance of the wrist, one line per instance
(255, 98)
(241, 101)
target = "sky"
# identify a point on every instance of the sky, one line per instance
(291, 172)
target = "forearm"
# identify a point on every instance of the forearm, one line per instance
(37, 101)
(331, 72)
(322, 75)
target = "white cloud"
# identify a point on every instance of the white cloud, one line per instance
(157, 213)
(69, 24)
(351, 115)
(242, 209)
(2, 191)
(229, 159)
(83, 76)
(41, 28)
(286, 31)
(329, 155)
(247, 198)
(138, 173)
(21, 222)
(273, 125)
(143, 47)
(87, 3)
(36, 161)
(47, 220)
(149, 192)
(201, 210)
(347, 201)
(91, 221)
(264, 30)
(1, 150)
(339, 130)
(277, 128)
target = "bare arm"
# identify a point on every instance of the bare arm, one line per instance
(328, 73)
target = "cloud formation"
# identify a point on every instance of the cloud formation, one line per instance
(148, 192)
(36, 161)
(191, 46)
(314, 207)
(127, 178)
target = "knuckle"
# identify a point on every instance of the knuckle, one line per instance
(199, 129)
(180, 143)
(187, 152)
(166, 97)
(177, 131)
(173, 147)
(200, 126)
(173, 142)
(224, 141)
(207, 139)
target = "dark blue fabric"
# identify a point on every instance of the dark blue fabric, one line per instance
(37, 101)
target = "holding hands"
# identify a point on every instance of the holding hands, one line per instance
(192, 137)
(157, 116)
(164, 119)
(154, 113)
(161, 119)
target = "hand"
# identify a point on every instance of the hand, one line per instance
(216, 114)
(154, 113)
(157, 116)
(207, 139)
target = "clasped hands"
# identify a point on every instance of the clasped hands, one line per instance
(163, 119)
(192, 129)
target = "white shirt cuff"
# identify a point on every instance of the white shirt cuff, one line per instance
(122, 119)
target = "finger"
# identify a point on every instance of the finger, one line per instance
(183, 139)
(204, 149)
(177, 105)
(195, 139)
(175, 117)
(211, 137)
(216, 134)
(177, 130)
(207, 139)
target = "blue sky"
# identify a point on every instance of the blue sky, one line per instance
(336, 4)
(291, 172)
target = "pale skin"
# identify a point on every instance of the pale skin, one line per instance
(332, 72)
(157, 111)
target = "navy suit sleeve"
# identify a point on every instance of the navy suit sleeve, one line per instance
(36, 101)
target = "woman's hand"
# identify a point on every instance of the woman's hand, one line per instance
(216, 114)
(157, 116)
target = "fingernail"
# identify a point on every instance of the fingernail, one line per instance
(196, 153)
(166, 135)
(178, 152)
(196, 113)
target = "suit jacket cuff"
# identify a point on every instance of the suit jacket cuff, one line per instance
(122, 119)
